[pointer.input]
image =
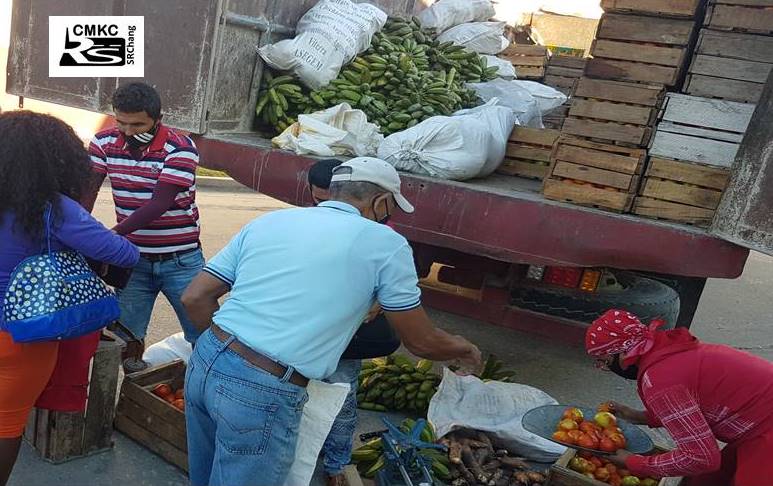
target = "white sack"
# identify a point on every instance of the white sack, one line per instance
(458, 147)
(325, 401)
(506, 68)
(328, 36)
(548, 98)
(339, 130)
(521, 102)
(494, 407)
(167, 350)
(481, 37)
(445, 14)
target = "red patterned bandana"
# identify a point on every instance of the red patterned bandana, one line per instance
(619, 331)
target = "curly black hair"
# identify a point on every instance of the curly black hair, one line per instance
(137, 97)
(40, 158)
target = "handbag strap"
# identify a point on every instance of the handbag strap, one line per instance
(47, 215)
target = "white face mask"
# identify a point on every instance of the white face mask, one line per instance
(140, 139)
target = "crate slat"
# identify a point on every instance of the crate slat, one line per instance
(627, 51)
(602, 156)
(735, 45)
(740, 69)
(638, 28)
(631, 71)
(630, 134)
(636, 94)
(572, 62)
(698, 175)
(611, 111)
(722, 88)
(593, 175)
(676, 8)
(587, 195)
(693, 149)
(740, 17)
(658, 209)
(680, 193)
(154, 443)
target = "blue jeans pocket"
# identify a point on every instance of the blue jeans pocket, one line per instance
(243, 424)
(192, 260)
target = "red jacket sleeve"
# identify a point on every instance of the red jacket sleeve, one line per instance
(696, 450)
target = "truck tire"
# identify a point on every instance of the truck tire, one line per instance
(646, 298)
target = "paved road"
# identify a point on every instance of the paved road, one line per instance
(737, 312)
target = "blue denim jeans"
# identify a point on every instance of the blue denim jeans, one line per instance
(171, 278)
(337, 450)
(242, 421)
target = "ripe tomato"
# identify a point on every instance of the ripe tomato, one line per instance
(575, 435)
(615, 480)
(588, 441)
(179, 404)
(573, 413)
(169, 398)
(611, 468)
(606, 445)
(162, 390)
(601, 474)
(623, 472)
(605, 419)
(562, 436)
(567, 424)
(589, 427)
(596, 461)
(585, 454)
(618, 440)
(179, 393)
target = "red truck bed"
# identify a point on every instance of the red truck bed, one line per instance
(500, 217)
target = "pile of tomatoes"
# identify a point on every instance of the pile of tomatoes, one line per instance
(175, 397)
(602, 470)
(601, 434)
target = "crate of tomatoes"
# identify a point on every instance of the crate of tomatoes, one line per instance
(151, 410)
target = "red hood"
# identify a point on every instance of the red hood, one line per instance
(666, 344)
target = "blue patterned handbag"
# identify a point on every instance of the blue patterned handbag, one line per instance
(55, 296)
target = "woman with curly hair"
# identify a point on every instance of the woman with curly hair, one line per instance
(42, 163)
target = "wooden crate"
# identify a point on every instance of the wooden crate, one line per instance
(529, 61)
(62, 436)
(563, 72)
(640, 49)
(701, 130)
(528, 152)
(730, 65)
(740, 15)
(561, 475)
(148, 419)
(555, 118)
(690, 158)
(657, 8)
(594, 174)
(614, 111)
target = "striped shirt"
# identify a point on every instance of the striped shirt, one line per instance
(170, 158)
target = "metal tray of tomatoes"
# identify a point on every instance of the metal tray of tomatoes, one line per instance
(543, 420)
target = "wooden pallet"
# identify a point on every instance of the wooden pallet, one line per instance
(528, 152)
(657, 8)
(148, 419)
(640, 49)
(594, 174)
(754, 16)
(529, 61)
(730, 65)
(614, 111)
(62, 436)
(561, 475)
(554, 119)
(563, 72)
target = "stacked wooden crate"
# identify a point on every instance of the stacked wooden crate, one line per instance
(563, 72)
(690, 158)
(594, 174)
(734, 54)
(529, 61)
(528, 152)
(641, 49)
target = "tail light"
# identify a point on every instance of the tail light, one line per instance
(569, 277)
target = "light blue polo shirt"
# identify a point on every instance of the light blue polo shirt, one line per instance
(302, 280)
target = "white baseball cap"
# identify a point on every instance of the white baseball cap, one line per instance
(375, 171)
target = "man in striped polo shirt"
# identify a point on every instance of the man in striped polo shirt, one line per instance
(152, 171)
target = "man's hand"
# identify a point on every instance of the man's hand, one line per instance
(628, 414)
(472, 361)
(619, 458)
(373, 312)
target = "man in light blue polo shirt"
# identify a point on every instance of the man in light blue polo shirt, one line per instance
(301, 281)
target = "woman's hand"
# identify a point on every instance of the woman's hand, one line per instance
(619, 458)
(628, 414)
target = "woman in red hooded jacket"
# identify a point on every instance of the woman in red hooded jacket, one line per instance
(701, 393)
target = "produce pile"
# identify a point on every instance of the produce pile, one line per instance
(474, 460)
(405, 77)
(602, 470)
(397, 383)
(176, 398)
(601, 434)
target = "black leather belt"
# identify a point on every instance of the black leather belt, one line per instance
(263, 362)
(162, 257)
